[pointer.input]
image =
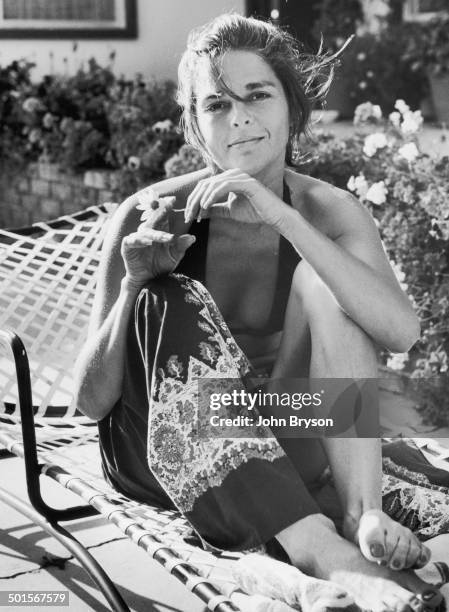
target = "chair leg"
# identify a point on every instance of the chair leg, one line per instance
(87, 561)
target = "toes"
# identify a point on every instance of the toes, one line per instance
(399, 558)
(377, 550)
(373, 548)
(423, 558)
(370, 536)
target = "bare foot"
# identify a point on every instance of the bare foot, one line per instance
(315, 547)
(385, 541)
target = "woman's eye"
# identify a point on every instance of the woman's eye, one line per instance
(216, 106)
(259, 95)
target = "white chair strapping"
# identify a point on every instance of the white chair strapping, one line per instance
(47, 283)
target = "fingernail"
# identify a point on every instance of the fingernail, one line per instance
(396, 564)
(377, 550)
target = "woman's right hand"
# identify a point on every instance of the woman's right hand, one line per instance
(152, 250)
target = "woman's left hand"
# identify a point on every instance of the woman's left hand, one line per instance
(235, 195)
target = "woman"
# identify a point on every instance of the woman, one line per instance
(295, 283)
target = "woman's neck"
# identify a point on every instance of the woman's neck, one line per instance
(273, 179)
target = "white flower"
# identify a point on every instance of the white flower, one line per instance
(379, 8)
(48, 120)
(401, 106)
(411, 122)
(397, 361)
(160, 127)
(409, 151)
(133, 162)
(366, 112)
(439, 359)
(377, 193)
(373, 142)
(361, 56)
(31, 104)
(363, 85)
(359, 185)
(395, 118)
(377, 111)
(34, 136)
(146, 197)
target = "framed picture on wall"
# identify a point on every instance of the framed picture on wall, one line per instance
(68, 19)
(423, 10)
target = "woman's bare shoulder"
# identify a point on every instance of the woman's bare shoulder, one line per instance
(325, 206)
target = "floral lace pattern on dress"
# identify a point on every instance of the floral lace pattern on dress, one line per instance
(186, 464)
(412, 500)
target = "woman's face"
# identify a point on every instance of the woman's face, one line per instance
(252, 133)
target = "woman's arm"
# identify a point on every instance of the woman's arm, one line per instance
(355, 267)
(99, 367)
(129, 259)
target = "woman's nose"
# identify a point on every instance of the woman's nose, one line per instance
(240, 115)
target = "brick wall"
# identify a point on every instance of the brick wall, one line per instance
(43, 192)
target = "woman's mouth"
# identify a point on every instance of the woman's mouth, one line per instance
(245, 141)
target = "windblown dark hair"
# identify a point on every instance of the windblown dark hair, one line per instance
(305, 77)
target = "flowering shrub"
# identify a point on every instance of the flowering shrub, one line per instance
(90, 120)
(63, 119)
(407, 194)
(187, 159)
(14, 78)
(143, 119)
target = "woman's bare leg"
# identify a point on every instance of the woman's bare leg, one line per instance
(317, 332)
(320, 341)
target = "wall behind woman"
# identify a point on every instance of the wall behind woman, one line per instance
(162, 33)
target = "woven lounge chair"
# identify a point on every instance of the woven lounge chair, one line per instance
(47, 282)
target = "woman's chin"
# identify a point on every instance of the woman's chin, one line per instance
(251, 166)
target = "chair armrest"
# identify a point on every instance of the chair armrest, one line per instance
(12, 344)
